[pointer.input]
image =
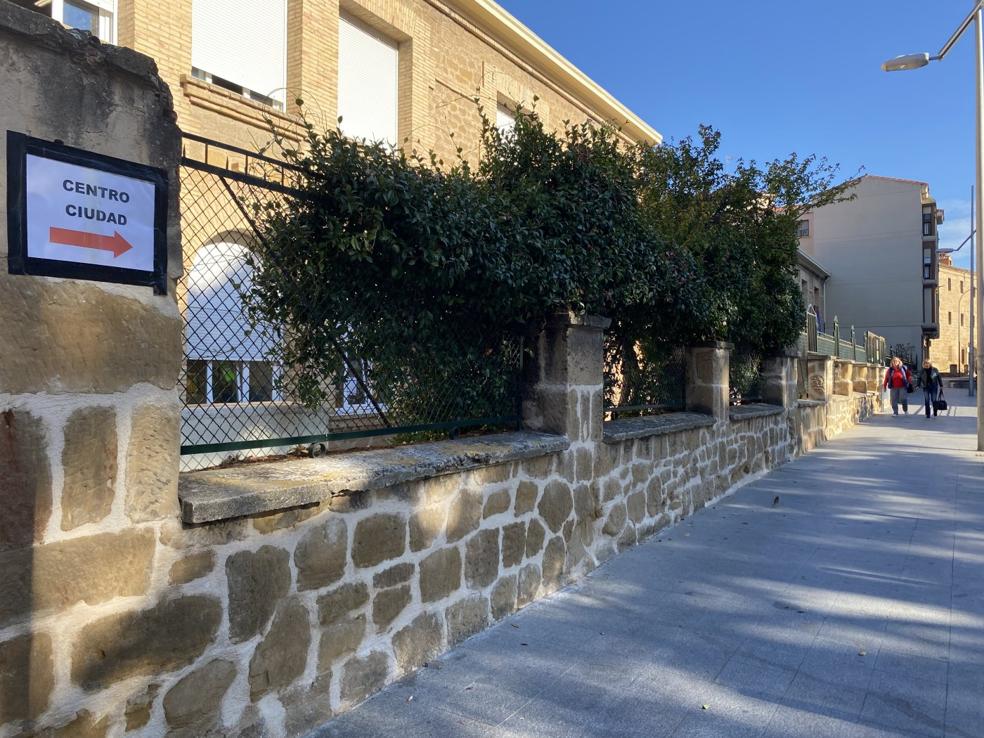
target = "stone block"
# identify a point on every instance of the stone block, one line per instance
(26, 677)
(362, 677)
(378, 538)
(611, 489)
(554, 556)
(194, 703)
(526, 494)
(25, 479)
(482, 558)
(394, 575)
(538, 468)
(56, 341)
(89, 463)
(388, 604)
(257, 582)
(528, 586)
(281, 657)
(191, 567)
(152, 462)
(464, 515)
(556, 504)
(440, 574)
(496, 503)
(654, 497)
(513, 544)
(504, 597)
(138, 707)
(467, 617)
(341, 601)
(635, 505)
(535, 535)
(585, 502)
(283, 520)
(419, 642)
(341, 638)
(616, 520)
(583, 464)
(163, 638)
(425, 526)
(321, 554)
(92, 569)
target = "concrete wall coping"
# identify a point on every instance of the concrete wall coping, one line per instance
(43, 31)
(755, 410)
(654, 425)
(252, 489)
(811, 403)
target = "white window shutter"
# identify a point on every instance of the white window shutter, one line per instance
(368, 83)
(242, 41)
(505, 119)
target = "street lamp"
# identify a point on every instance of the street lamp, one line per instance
(915, 61)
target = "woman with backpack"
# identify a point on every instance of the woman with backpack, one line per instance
(929, 380)
(897, 381)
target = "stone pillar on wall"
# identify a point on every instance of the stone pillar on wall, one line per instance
(780, 375)
(843, 377)
(860, 375)
(820, 377)
(564, 390)
(708, 367)
(89, 413)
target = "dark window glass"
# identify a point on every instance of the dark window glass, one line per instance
(260, 381)
(225, 382)
(195, 381)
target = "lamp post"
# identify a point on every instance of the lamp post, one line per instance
(914, 61)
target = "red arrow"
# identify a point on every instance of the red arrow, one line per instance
(67, 237)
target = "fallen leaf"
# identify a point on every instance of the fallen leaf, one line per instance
(704, 707)
(410, 698)
(862, 652)
(514, 625)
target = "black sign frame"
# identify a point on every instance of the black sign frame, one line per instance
(19, 145)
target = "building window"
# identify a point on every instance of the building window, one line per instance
(505, 119)
(961, 286)
(961, 319)
(802, 228)
(949, 318)
(97, 17)
(368, 82)
(949, 285)
(963, 356)
(227, 354)
(241, 45)
(927, 263)
(928, 221)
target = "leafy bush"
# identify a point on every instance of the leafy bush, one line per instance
(432, 272)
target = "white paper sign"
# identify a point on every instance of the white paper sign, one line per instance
(88, 216)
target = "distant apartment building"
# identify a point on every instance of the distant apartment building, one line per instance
(880, 252)
(950, 351)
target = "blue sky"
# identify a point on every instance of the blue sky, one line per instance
(776, 77)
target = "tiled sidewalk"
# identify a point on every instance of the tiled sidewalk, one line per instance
(853, 607)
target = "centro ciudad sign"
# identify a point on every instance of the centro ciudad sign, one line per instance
(76, 214)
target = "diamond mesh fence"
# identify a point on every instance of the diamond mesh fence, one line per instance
(242, 401)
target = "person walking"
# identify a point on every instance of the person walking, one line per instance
(931, 383)
(897, 382)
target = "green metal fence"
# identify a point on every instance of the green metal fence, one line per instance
(241, 400)
(842, 343)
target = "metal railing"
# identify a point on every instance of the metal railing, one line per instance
(239, 398)
(842, 344)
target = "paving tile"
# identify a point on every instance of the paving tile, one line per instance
(899, 702)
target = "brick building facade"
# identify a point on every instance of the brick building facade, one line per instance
(949, 352)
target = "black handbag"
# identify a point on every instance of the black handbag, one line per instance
(940, 402)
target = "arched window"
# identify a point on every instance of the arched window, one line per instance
(228, 358)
